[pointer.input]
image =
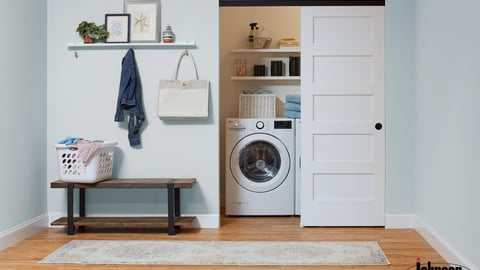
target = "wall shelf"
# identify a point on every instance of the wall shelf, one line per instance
(190, 44)
(265, 78)
(283, 50)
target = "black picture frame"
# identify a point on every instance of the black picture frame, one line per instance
(118, 26)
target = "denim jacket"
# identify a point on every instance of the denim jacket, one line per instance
(130, 98)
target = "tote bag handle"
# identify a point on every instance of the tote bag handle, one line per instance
(185, 53)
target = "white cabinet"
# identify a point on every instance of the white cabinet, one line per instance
(264, 57)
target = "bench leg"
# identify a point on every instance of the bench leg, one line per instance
(81, 202)
(81, 205)
(70, 226)
(177, 202)
(171, 208)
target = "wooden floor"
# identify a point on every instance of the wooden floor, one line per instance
(401, 246)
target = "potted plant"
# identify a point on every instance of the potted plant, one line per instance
(90, 32)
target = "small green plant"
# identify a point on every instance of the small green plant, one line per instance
(93, 31)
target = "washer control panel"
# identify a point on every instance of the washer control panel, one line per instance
(260, 125)
(282, 124)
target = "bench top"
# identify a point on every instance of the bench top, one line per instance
(131, 183)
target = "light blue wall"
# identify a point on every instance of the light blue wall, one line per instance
(400, 86)
(82, 96)
(23, 110)
(432, 111)
(447, 124)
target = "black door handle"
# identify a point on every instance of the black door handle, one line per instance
(378, 126)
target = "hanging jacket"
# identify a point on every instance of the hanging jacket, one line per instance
(130, 98)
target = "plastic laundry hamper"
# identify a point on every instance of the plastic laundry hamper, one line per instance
(72, 168)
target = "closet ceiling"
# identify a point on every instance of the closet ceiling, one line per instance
(232, 3)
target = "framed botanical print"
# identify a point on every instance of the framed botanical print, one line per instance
(118, 27)
(144, 20)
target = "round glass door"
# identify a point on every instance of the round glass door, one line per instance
(260, 162)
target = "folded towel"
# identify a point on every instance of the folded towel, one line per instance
(292, 114)
(258, 92)
(293, 98)
(290, 106)
(263, 92)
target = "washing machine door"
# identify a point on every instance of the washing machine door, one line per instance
(260, 162)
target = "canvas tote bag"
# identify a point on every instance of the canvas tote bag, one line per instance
(183, 99)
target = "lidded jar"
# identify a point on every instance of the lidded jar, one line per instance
(168, 36)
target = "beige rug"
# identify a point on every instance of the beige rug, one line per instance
(218, 253)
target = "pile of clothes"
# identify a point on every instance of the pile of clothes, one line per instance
(292, 106)
(86, 148)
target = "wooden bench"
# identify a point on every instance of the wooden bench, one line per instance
(173, 220)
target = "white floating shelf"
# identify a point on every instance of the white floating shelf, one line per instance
(134, 45)
(277, 50)
(265, 78)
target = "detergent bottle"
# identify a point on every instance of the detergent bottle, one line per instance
(251, 35)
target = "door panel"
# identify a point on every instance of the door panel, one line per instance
(343, 166)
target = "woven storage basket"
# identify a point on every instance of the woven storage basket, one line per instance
(72, 168)
(257, 106)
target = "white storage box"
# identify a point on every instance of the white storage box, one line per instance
(257, 106)
(72, 168)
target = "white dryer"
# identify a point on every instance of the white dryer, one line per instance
(260, 177)
(298, 164)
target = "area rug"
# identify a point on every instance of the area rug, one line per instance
(218, 253)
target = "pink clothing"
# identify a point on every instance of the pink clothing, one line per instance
(86, 149)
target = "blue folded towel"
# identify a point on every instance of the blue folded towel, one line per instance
(264, 92)
(292, 114)
(293, 98)
(289, 106)
(248, 91)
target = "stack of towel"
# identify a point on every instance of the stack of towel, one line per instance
(292, 106)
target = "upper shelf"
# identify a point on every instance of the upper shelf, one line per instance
(190, 44)
(265, 78)
(283, 50)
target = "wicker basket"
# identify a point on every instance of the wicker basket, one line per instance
(257, 106)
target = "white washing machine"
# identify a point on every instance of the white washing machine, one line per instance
(259, 168)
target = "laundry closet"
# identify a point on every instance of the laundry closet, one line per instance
(342, 80)
(274, 22)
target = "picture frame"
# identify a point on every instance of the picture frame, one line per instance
(118, 25)
(144, 20)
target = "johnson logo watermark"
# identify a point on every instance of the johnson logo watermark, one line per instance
(437, 266)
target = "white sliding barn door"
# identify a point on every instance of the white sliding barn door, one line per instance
(343, 115)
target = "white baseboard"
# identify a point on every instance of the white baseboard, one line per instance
(400, 221)
(446, 250)
(210, 221)
(18, 233)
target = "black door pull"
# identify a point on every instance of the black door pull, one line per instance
(378, 126)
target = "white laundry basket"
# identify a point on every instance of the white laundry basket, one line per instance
(257, 106)
(72, 168)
